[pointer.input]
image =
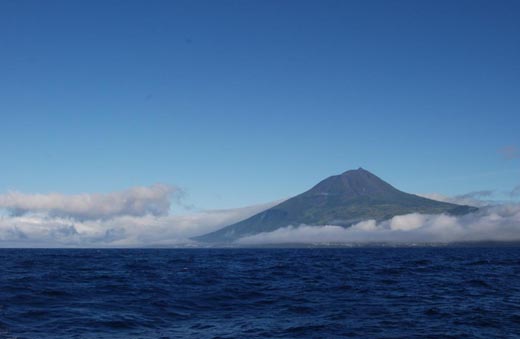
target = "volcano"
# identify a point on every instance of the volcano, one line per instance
(341, 200)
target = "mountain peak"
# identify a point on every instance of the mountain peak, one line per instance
(352, 184)
(360, 169)
(358, 172)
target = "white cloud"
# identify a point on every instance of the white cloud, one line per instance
(494, 223)
(407, 222)
(136, 201)
(37, 229)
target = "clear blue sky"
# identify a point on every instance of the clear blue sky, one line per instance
(243, 102)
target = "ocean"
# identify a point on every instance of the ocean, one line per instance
(380, 292)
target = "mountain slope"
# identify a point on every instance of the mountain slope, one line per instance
(342, 200)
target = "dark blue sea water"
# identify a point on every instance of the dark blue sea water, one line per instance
(261, 293)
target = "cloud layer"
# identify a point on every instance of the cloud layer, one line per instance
(136, 201)
(140, 216)
(495, 223)
(41, 230)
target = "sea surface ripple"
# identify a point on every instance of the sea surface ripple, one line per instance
(471, 292)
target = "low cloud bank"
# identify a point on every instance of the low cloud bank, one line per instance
(492, 223)
(34, 229)
(136, 201)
